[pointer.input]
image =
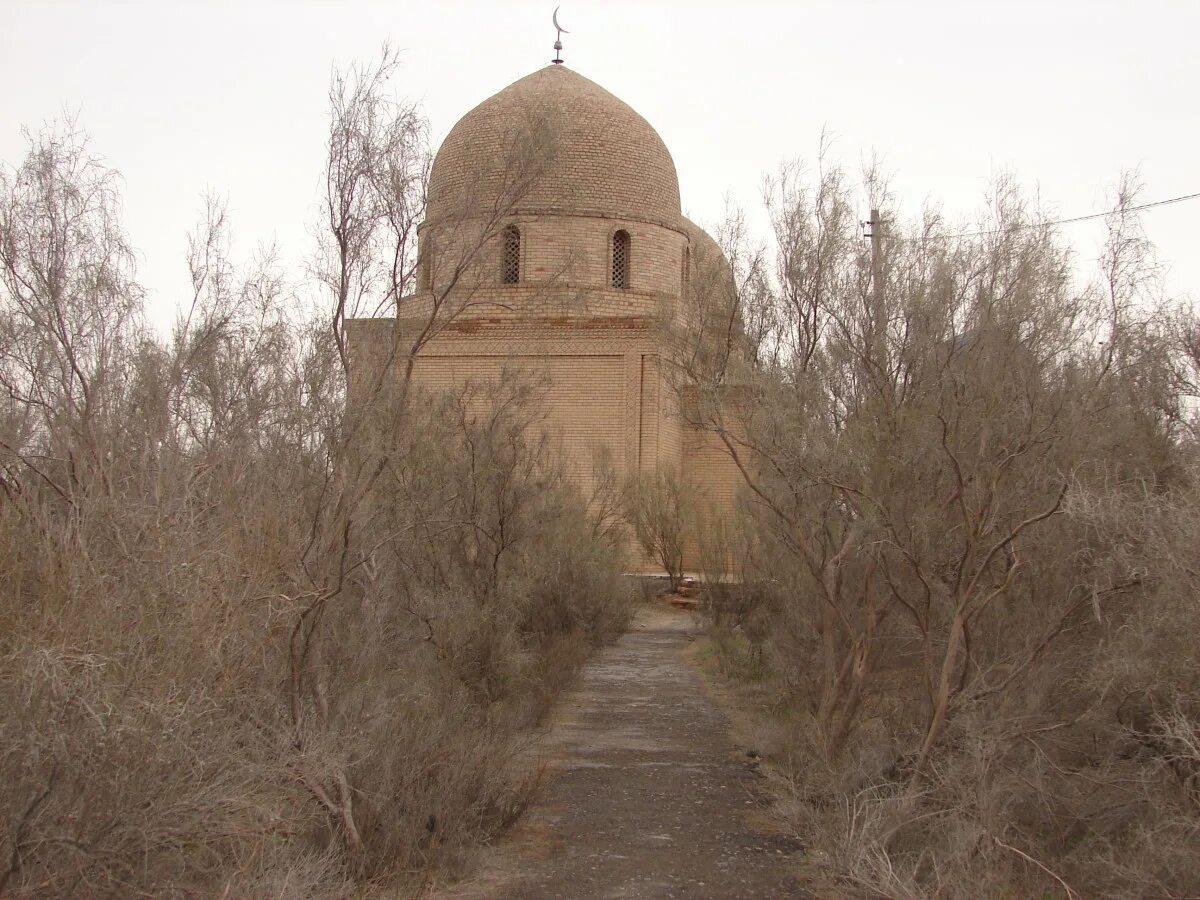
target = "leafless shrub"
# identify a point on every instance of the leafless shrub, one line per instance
(252, 642)
(660, 510)
(959, 466)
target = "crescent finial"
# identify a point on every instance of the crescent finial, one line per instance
(558, 38)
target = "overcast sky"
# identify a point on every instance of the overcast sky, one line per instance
(183, 98)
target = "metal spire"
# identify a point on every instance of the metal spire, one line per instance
(558, 39)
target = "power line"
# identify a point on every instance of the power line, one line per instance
(1099, 215)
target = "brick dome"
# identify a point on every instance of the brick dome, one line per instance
(605, 159)
(702, 243)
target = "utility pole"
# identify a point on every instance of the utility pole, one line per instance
(878, 312)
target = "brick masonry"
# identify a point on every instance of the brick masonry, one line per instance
(603, 352)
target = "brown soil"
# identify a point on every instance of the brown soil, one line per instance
(646, 793)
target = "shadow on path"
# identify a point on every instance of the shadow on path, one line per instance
(646, 795)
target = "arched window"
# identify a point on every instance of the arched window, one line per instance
(685, 271)
(620, 259)
(510, 264)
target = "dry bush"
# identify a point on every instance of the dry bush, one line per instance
(660, 512)
(955, 463)
(253, 643)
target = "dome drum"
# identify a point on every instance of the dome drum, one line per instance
(559, 249)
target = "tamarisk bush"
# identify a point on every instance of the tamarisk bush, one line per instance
(255, 641)
(967, 494)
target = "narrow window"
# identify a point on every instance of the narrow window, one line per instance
(685, 272)
(620, 259)
(510, 267)
(424, 263)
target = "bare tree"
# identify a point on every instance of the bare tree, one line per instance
(73, 310)
(254, 642)
(913, 431)
(377, 174)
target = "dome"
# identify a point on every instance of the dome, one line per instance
(703, 244)
(710, 276)
(605, 159)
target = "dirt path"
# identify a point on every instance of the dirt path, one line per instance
(646, 794)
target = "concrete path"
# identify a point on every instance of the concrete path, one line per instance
(646, 795)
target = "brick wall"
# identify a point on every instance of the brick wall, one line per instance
(715, 480)
(584, 399)
(605, 354)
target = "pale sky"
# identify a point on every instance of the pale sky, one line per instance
(183, 98)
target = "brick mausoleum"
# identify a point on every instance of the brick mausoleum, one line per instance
(554, 241)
